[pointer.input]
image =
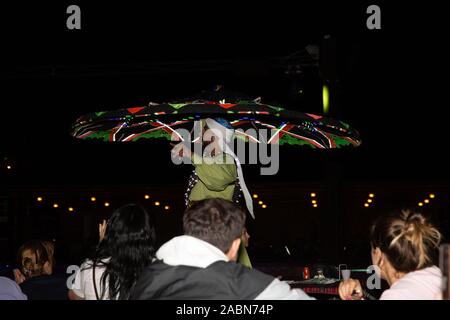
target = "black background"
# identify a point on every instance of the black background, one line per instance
(392, 88)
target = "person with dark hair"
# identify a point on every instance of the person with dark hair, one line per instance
(201, 263)
(126, 247)
(405, 247)
(36, 278)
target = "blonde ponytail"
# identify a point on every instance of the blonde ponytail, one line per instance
(422, 236)
(408, 239)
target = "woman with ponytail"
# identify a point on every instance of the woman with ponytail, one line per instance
(405, 247)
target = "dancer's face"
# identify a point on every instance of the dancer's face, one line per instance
(209, 138)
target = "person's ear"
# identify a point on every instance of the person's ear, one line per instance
(381, 259)
(377, 256)
(232, 253)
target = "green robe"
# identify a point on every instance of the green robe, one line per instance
(214, 180)
(243, 257)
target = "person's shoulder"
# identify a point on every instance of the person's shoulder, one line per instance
(430, 275)
(432, 270)
(246, 283)
(158, 267)
(88, 264)
(9, 289)
(420, 284)
(239, 271)
(6, 281)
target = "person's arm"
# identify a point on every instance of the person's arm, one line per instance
(280, 290)
(76, 292)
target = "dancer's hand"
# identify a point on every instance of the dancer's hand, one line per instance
(179, 150)
(350, 290)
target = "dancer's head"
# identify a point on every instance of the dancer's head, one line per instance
(218, 131)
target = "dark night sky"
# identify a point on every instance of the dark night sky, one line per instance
(388, 81)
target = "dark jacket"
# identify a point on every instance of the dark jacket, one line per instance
(221, 281)
(45, 288)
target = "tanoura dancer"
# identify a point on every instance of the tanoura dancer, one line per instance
(217, 171)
